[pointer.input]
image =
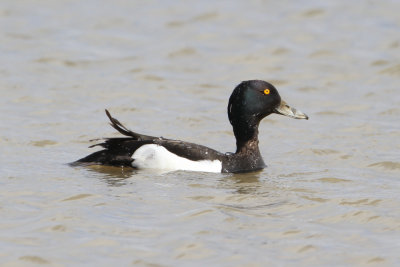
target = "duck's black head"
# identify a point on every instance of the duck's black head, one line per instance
(250, 102)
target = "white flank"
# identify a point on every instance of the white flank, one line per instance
(157, 157)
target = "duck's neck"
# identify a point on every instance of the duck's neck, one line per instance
(246, 138)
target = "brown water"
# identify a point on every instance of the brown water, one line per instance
(330, 194)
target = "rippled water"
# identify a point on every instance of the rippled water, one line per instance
(330, 194)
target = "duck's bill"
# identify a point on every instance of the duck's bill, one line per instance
(286, 110)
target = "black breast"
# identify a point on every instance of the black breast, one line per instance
(242, 162)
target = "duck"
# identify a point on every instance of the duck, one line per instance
(250, 102)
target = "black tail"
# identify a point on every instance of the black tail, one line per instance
(104, 157)
(125, 131)
(118, 151)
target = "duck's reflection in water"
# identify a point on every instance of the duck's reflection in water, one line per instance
(113, 176)
(243, 183)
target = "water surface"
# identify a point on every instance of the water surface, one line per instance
(330, 194)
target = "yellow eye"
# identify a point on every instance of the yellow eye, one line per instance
(266, 91)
